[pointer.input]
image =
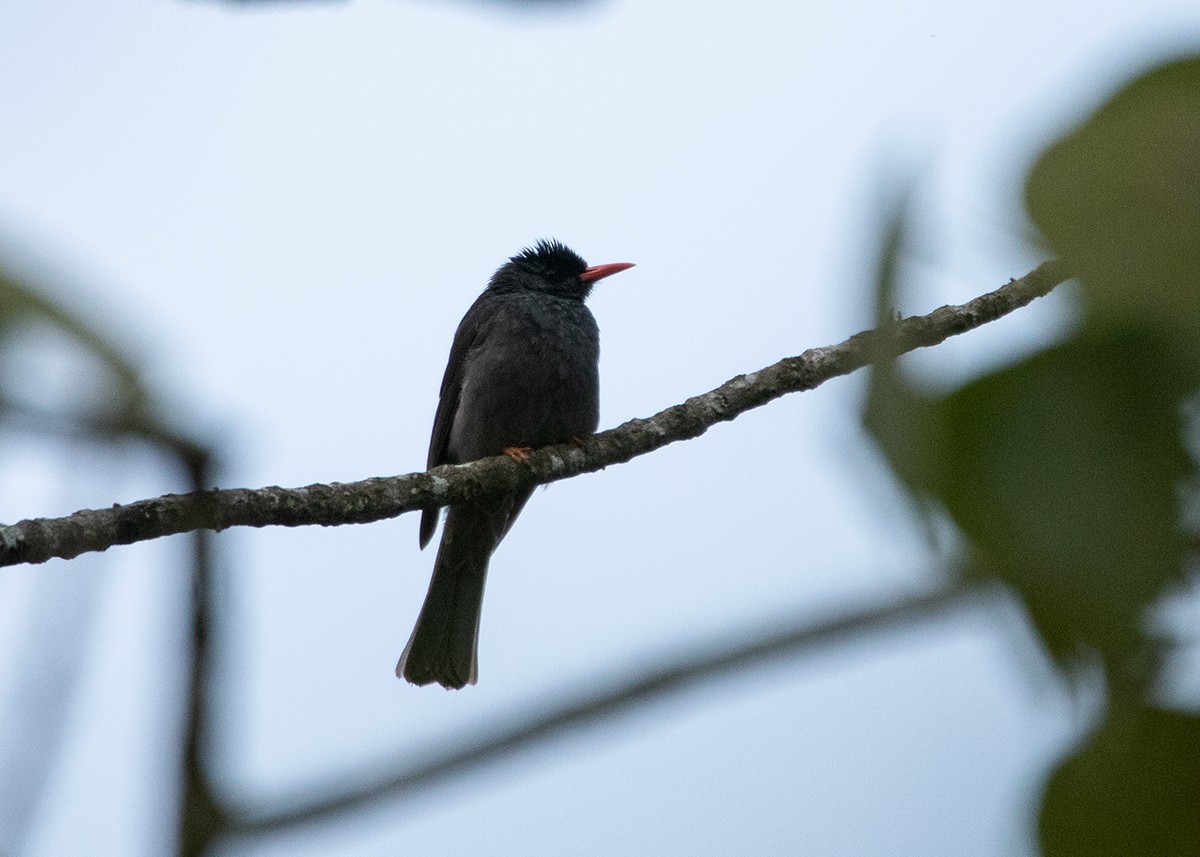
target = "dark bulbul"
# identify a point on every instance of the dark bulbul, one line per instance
(523, 373)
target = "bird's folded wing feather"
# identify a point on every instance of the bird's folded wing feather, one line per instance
(470, 330)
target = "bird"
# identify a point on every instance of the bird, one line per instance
(523, 372)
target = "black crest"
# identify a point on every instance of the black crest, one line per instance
(548, 266)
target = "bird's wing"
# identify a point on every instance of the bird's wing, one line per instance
(470, 330)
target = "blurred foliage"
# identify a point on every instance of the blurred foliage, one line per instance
(1134, 788)
(1067, 474)
(123, 407)
(1119, 199)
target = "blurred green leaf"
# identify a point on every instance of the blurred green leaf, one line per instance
(1064, 470)
(1119, 200)
(1132, 791)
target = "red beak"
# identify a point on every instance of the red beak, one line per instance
(599, 272)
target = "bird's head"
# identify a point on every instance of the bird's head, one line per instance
(553, 268)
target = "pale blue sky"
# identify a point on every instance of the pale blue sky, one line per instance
(286, 209)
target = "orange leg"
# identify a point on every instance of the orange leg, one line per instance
(519, 454)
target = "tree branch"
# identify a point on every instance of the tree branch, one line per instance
(40, 539)
(201, 817)
(703, 661)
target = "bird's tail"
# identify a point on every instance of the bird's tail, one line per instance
(443, 647)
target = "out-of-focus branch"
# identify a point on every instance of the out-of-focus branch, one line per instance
(41, 539)
(201, 817)
(48, 671)
(705, 661)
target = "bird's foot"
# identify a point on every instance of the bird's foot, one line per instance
(519, 454)
(579, 441)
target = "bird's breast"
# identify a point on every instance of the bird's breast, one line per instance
(530, 379)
